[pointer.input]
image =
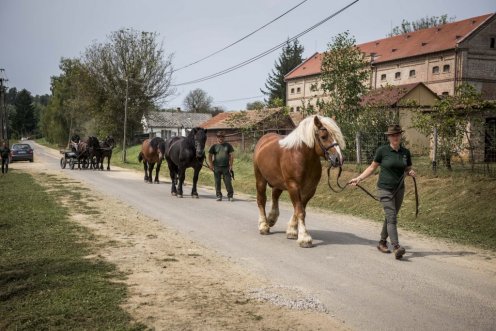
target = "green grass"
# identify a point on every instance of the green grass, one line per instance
(46, 283)
(454, 205)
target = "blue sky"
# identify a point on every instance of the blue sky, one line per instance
(36, 34)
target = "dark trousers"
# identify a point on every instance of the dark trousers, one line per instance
(5, 165)
(391, 209)
(219, 173)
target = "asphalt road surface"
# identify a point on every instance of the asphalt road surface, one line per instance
(437, 286)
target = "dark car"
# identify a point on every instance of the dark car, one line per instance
(22, 152)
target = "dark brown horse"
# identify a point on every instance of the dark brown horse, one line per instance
(292, 163)
(152, 152)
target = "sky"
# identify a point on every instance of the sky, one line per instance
(35, 35)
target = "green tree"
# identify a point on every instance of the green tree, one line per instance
(24, 121)
(422, 23)
(128, 63)
(344, 74)
(198, 101)
(255, 105)
(450, 118)
(290, 58)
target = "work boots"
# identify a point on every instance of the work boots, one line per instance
(383, 247)
(398, 251)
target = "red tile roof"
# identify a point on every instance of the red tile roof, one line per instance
(436, 39)
(238, 119)
(390, 96)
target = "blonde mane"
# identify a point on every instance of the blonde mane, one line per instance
(306, 130)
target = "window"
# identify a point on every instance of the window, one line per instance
(383, 77)
(412, 73)
(397, 75)
(292, 109)
(298, 90)
(435, 70)
(297, 108)
(292, 91)
(492, 43)
(446, 68)
(444, 94)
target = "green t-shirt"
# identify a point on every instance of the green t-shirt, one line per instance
(221, 154)
(4, 152)
(393, 164)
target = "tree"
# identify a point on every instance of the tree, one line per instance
(130, 63)
(255, 105)
(344, 73)
(24, 121)
(422, 23)
(198, 101)
(290, 58)
(450, 117)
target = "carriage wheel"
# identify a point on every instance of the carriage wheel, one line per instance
(71, 164)
(63, 162)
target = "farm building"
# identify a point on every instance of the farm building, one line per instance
(243, 128)
(171, 124)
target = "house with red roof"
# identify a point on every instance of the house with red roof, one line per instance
(441, 57)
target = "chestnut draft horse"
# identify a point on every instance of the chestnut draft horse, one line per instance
(292, 163)
(152, 151)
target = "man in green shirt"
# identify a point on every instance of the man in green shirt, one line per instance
(6, 156)
(394, 161)
(220, 160)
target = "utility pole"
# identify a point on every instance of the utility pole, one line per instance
(3, 110)
(125, 122)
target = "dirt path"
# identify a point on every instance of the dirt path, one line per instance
(176, 284)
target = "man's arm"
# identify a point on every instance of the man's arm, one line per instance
(210, 161)
(231, 161)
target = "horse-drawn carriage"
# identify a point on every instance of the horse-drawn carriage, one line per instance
(87, 154)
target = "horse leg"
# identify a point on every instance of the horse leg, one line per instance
(173, 175)
(157, 171)
(150, 171)
(145, 167)
(182, 176)
(261, 183)
(304, 238)
(194, 192)
(108, 162)
(274, 212)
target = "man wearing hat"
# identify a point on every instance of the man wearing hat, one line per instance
(394, 161)
(220, 160)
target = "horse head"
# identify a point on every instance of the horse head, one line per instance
(199, 136)
(110, 142)
(328, 139)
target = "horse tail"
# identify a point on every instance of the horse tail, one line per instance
(140, 156)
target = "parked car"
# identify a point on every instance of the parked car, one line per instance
(22, 152)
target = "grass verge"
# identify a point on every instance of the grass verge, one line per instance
(46, 280)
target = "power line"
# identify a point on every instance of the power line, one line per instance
(242, 38)
(240, 99)
(263, 54)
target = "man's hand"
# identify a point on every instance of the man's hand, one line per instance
(355, 181)
(412, 173)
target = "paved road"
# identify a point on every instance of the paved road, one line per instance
(436, 287)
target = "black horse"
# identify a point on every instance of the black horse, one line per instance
(94, 152)
(106, 147)
(182, 153)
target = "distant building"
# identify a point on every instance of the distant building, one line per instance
(441, 57)
(171, 124)
(243, 128)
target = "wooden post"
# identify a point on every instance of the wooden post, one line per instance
(358, 148)
(243, 141)
(434, 150)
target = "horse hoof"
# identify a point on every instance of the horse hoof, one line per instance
(179, 195)
(195, 196)
(173, 194)
(306, 244)
(157, 182)
(292, 236)
(264, 231)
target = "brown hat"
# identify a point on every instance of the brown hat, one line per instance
(221, 134)
(394, 129)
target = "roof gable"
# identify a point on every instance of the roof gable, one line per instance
(394, 95)
(240, 119)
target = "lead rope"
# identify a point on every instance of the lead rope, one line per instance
(395, 192)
